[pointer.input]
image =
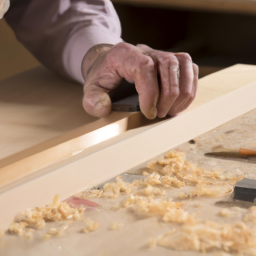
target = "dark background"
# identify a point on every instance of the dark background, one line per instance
(214, 40)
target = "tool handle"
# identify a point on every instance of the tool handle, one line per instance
(248, 152)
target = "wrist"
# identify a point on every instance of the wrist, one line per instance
(92, 54)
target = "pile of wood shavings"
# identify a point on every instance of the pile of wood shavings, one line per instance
(173, 171)
(174, 165)
(27, 221)
(166, 210)
(210, 236)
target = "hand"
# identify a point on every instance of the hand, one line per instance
(104, 67)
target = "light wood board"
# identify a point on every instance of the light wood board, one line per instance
(221, 97)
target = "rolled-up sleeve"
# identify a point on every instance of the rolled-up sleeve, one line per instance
(60, 32)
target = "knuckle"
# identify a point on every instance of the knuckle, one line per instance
(174, 93)
(185, 56)
(146, 63)
(127, 47)
(186, 94)
(196, 67)
(119, 49)
(168, 59)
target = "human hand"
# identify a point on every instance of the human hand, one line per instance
(104, 67)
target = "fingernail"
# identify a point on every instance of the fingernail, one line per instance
(102, 108)
(152, 113)
(161, 115)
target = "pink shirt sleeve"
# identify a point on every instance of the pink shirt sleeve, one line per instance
(60, 32)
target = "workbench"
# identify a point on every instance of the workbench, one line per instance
(232, 6)
(66, 172)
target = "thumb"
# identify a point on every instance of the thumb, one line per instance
(96, 101)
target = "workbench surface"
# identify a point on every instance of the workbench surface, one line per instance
(132, 239)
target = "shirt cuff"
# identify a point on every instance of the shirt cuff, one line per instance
(79, 43)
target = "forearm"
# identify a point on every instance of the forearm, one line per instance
(59, 33)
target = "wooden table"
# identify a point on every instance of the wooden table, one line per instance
(71, 176)
(234, 6)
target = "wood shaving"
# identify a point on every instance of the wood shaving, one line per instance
(210, 236)
(150, 191)
(61, 231)
(179, 216)
(225, 212)
(91, 225)
(112, 190)
(152, 243)
(208, 191)
(116, 226)
(250, 215)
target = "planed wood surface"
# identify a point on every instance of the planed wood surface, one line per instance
(38, 155)
(222, 97)
(36, 106)
(233, 6)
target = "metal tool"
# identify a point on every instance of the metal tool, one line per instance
(126, 177)
(125, 98)
(232, 156)
(129, 104)
(245, 190)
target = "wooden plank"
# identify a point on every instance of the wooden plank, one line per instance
(233, 6)
(36, 106)
(221, 97)
(80, 139)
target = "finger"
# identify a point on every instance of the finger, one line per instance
(185, 84)
(195, 83)
(168, 66)
(145, 77)
(96, 101)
